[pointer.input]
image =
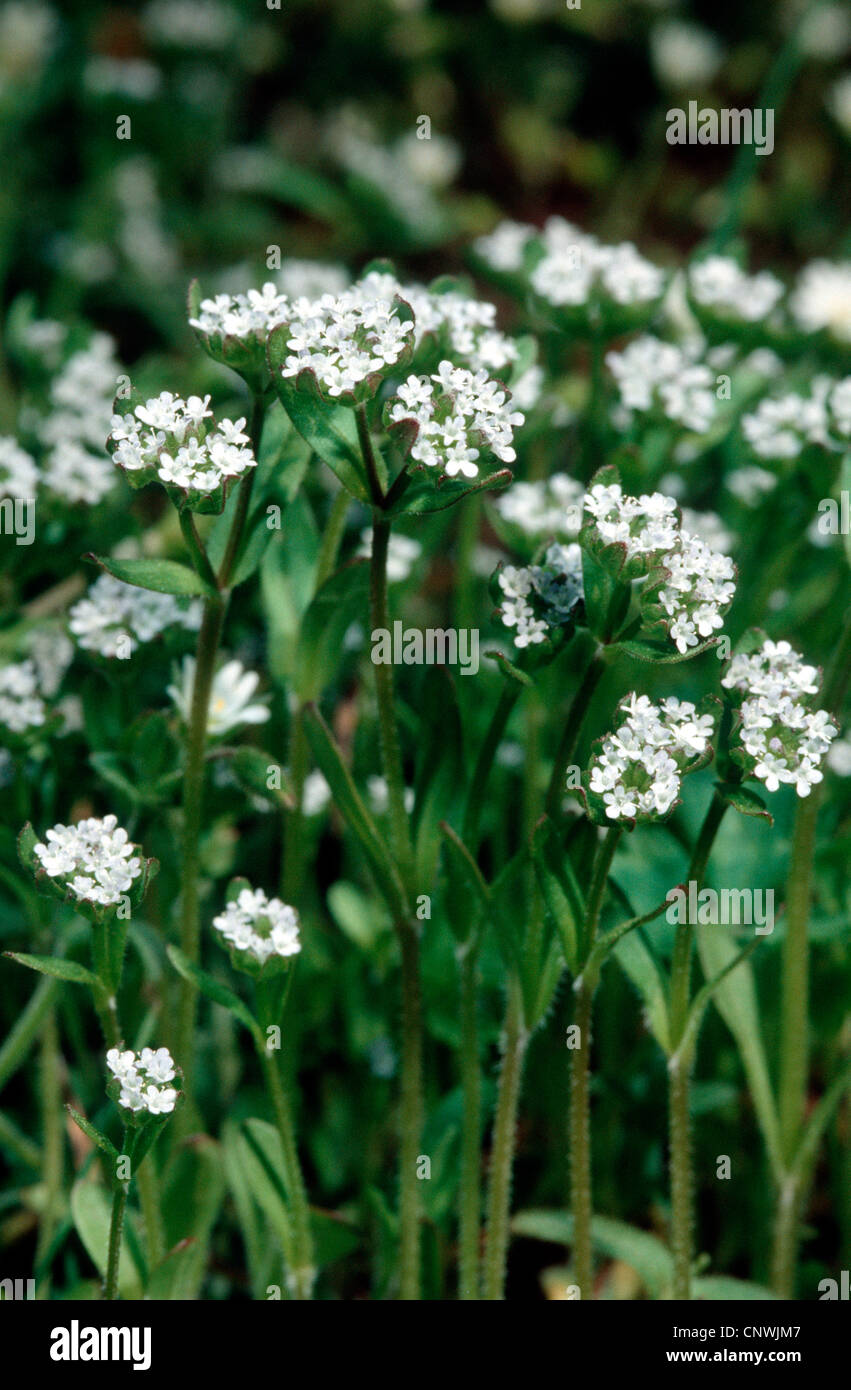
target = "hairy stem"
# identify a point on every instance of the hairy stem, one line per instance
(581, 1199)
(471, 1088)
(116, 1226)
(572, 729)
(410, 1116)
(681, 1176)
(484, 762)
(515, 1041)
(302, 1274)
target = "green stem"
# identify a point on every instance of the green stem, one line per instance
(243, 497)
(302, 1274)
(680, 1176)
(411, 1117)
(148, 1188)
(116, 1226)
(297, 760)
(581, 1199)
(515, 1041)
(572, 729)
(391, 756)
(679, 1067)
(52, 1136)
(484, 762)
(784, 1256)
(471, 1089)
(376, 491)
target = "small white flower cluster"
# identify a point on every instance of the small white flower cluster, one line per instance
(700, 583)
(244, 316)
(406, 173)
(572, 269)
(230, 697)
(638, 768)
(94, 858)
(18, 472)
(76, 468)
(261, 926)
(303, 279)
(468, 325)
(684, 55)
(347, 340)
(839, 412)
(782, 428)
(168, 435)
(144, 1078)
(821, 299)
(654, 375)
(720, 284)
(784, 739)
(115, 617)
(538, 598)
(460, 415)
(21, 703)
(549, 506)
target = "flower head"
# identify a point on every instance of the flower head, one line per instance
(230, 698)
(94, 861)
(538, 600)
(458, 415)
(142, 1081)
(259, 927)
(636, 772)
(115, 617)
(178, 443)
(349, 341)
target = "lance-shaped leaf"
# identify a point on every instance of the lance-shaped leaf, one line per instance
(217, 992)
(342, 600)
(560, 889)
(161, 576)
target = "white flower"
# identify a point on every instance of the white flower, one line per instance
(301, 279)
(654, 375)
(230, 697)
(700, 584)
(347, 340)
(839, 101)
(504, 247)
(379, 796)
(551, 506)
(21, 703)
(184, 24)
(170, 437)
(838, 757)
(244, 316)
(684, 55)
(115, 617)
(316, 793)
(95, 859)
(821, 299)
(144, 1079)
(18, 473)
(263, 927)
(638, 768)
(784, 741)
(719, 283)
(458, 416)
(782, 428)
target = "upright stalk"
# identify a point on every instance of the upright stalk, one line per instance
(116, 1226)
(52, 1137)
(209, 636)
(515, 1041)
(470, 1193)
(581, 1191)
(572, 729)
(679, 1068)
(302, 1274)
(411, 1105)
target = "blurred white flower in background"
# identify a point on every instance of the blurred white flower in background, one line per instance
(684, 54)
(230, 698)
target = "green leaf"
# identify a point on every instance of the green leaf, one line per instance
(467, 894)
(354, 812)
(91, 1210)
(58, 967)
(251, 769)
(643, 1252)
(636, 960)
(217, 992)
(701, 1000)
(162, 576)
(99, 1140)
(560, 889)
(736, 1001)
(721, 1288)
(642, 650)
(193, 1188)
(342, 600)
(420, 492)
(330, 430)
(174, 1279)
(746, 802)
